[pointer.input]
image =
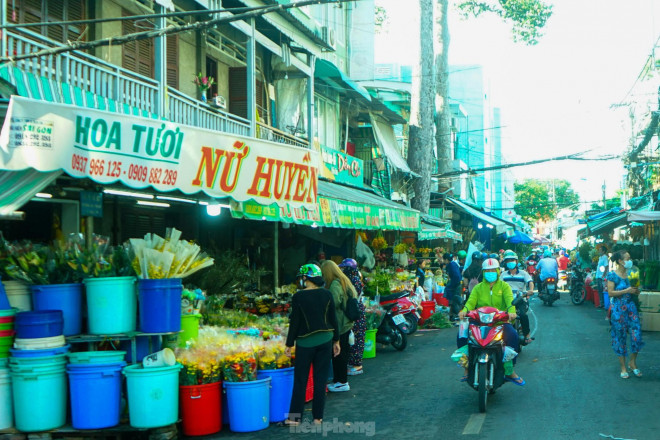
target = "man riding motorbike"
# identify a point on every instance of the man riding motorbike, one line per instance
(548, 268)
(494, 292)
(520, 281)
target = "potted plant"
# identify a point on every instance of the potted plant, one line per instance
(203, 83)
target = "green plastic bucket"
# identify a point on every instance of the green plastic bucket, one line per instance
(189, 328)
(35, 365)
(153, 395)
(6, 343)
(111, 305)
(370, 344)
(97, 357)
(40, 399)
(6, 412)
(7, 326)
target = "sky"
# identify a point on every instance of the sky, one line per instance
(556, 96)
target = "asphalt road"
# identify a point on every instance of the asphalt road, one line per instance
(573, 389)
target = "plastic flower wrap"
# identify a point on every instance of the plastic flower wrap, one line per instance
(169, 257)
(634, 278)
(272, 357)
(191, 301)
(201, 365)
(374, 314)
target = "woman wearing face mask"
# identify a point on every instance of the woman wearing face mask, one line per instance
(493, 292)
(625, 318)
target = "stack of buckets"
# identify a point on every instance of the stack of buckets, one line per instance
(6, 340)
(38, 373)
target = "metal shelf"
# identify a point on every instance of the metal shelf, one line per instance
(91, 340)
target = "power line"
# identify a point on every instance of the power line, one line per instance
(77, 45)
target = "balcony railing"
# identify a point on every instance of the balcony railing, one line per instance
(104, 79)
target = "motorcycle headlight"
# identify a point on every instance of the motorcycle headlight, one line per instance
(486, 318)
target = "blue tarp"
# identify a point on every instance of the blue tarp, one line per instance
(519, 237)
(604, 214)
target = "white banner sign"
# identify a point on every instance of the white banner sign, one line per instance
(140, 152)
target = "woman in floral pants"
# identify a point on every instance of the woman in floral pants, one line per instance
(349, 267)
(625, 317)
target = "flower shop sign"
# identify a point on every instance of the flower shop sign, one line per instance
(340, 167)
(140, 152)
(332, 213)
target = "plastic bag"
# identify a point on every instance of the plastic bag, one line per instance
(460, 356)
(351, 338)
(420, 294)
(463, 327)
(428, 282)
(364, 254)
(509, 354)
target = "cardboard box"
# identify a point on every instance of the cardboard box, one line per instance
(649, 301)
(650, 322)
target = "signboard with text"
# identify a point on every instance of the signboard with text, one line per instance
(341, 168)
(139, 152)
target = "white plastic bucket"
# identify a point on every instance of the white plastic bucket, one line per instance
(19, 295)
(6, 408)
(162, 358)
(39, 343)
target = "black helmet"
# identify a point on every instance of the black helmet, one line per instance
(476, 255)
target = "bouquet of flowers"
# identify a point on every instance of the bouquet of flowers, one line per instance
(272, 357)
(240, 367)
(424, 250)
(374, 314)
(400, 248)
(201, 366)
(169, 257)
(203, 83)
(634, 278)
(378, 243)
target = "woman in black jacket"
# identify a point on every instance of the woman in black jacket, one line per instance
(313, 329)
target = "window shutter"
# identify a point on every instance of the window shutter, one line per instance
(137, 55)
(238, 91)
(173, 61)
(55, 12)
(76, 11)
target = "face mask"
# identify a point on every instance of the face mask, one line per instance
(510, 265)
(491, 277)
(628, 264)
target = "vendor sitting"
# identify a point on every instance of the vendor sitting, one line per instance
(493, 292)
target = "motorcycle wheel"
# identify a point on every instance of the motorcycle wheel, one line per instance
(578, 295)
(400, 339)
(483, 392)
(412, 323)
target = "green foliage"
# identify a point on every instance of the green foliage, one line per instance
(228, 275)
(437, 320)
(533, 199)
(377, 282)
(585, 250)
(527, 17)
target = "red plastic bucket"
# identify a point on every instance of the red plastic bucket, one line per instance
(437, 297)
(201, 409)
(428, 308)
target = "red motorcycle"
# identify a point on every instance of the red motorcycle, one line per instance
(486, 351)
(403, 306)
(531, 268)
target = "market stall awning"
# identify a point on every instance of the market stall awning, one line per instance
(500, 226)
(607, 224)
(18, 187)
(386, 140)
(337, 206)
(331, 74)
(139, 152)
(430, 232)
(519, 237)
(644, 216)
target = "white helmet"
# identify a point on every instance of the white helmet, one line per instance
(490, 263)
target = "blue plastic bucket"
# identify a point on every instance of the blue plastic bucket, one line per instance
(39, 324)
(281, 389)
(142, 348)
(97, 357)
(87, 383)
(15, 353)
(111, 305)
(248, 405)
(6, 412)
(160, 305)
(39, 399)
(64, 297)
(153, 395)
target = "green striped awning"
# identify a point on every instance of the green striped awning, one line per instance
(18, 187)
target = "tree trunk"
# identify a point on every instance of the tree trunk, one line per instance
(443, 135)
(420, 138)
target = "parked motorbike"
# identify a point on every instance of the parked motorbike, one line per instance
(486, 351)
(578, 292)
(404, 304)
(394, 327)
(548, 291)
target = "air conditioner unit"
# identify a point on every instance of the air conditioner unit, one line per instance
(220, 101)
(328, 35)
